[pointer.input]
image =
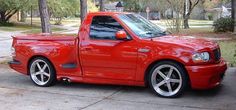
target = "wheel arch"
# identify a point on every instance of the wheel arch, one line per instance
(36, 56)
(148, 69)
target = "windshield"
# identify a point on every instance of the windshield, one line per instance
(141, 26)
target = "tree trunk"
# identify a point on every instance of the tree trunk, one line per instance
(43, 10)
(190, 6)
(83, 9)
(234, 13)
(23, 16)
(202, 10)
(177, 23)
(2, 16)
(6, 15)
(184, 12)
(186, 25)
(101, 2)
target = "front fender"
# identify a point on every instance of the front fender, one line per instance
(180, 55)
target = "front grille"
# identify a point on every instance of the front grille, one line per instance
(217, 54)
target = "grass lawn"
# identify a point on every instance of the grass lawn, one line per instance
(206, 33)
(38, 30)
(17, 28)
(66, 21)
(26, 28)
(197, 31)
(228, 51)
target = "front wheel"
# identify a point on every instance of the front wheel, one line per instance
(167, 79)
(42, 72)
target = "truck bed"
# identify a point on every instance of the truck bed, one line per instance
(61, 49)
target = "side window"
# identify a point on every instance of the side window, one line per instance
(104, 27)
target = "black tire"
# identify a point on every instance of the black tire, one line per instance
(51, 80)
(160, 89)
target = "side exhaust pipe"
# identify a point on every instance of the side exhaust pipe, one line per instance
(66, 80)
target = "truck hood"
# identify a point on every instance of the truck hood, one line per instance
(187, 41)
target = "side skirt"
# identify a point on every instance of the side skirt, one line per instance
(91, 80)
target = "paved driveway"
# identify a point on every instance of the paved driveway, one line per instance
(18, 93)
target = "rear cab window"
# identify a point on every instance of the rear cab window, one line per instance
(104, 27)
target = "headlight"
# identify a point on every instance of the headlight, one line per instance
(201, 57)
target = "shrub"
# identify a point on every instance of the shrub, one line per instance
(6, 24)
(224, 25)
(210, 16)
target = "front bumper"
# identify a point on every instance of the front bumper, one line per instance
(206, 76)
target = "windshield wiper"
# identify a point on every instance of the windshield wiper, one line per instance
(157, 34)
(153, 35)
(163, 33)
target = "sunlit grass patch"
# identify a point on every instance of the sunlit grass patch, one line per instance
(228, 51)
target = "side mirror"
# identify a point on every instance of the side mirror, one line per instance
(121, 35)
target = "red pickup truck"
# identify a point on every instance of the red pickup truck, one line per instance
(121, 49)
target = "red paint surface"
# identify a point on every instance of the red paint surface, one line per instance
(117, 61)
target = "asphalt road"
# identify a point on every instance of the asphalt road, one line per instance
(17, 92)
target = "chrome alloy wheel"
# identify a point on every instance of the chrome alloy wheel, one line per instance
(40, 72)
(166, 80)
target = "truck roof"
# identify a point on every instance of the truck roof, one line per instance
(108, 13)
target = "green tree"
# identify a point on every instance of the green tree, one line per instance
(135, 5)
(178, 7)
(63, 8)
(30, 6)
(10, 7)
(60, 9)
(92, 6)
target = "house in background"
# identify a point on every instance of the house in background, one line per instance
(114, 6)
(222, 10)
(16, 17)
(118, 6)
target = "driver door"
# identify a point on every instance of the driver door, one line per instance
(103, 56)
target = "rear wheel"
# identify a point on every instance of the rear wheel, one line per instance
(167, 79)
(42, 72)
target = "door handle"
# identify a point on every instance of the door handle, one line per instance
(87, 48)
(143, 50)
